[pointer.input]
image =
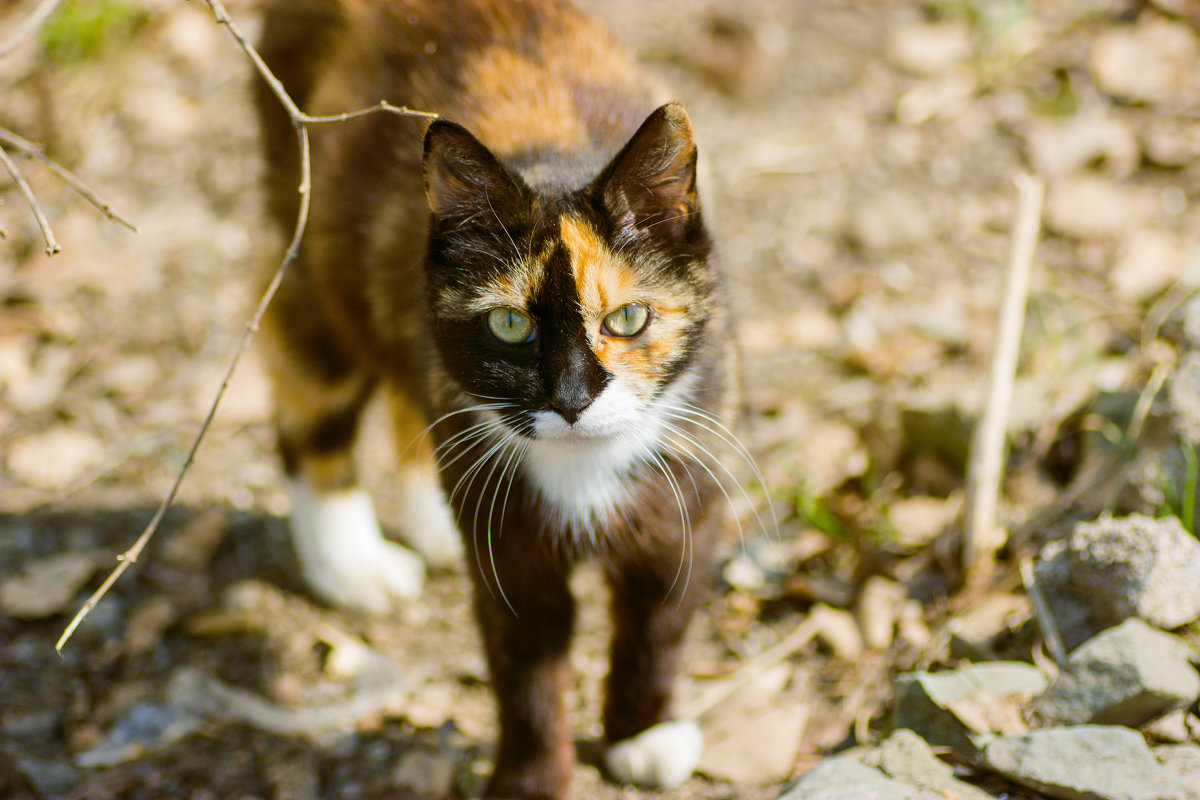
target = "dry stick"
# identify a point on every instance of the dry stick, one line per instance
(29, 26)
(301, 121)
(1041, 611)
(52, 245)
(987, 451)
(31, 150)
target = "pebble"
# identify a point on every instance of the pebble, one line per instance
(1137, 566)
(1127, 675)
(891, 219)
(1148, 262)
(1087, 207)
(55, 459)
(48, 586)
(846, 779)
(1084, 762)
(931, 48)
(1150, 62)
(905, 756)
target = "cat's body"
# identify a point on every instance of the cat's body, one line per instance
(556, 317)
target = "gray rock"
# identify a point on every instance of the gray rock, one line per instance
(904, 756)
(1070, 609)
(1183, 398)
(926, 701)
(1086, 762)
(1128, 675)
(1137, 566)
(1183, 762)
(846, 779)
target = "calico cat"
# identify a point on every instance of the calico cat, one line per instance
(530, 280)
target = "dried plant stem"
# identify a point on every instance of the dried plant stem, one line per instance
(31, 150)
(301, 121)
(1041, 610)
(52, 245)
(27, 28)
(987, 448)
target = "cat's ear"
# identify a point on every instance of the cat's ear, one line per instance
(652, 181)
(464, 181)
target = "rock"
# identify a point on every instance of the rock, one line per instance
(1137, 566)
(846, 779)
(1088, 207)
(1148, 263)
(917, 521)
(752, 737)
(1150, 62)
(1183, 762)
(1183, 398)
(53, 777)
(1128, 675)
(943, 708)
(1086, 762)
(54, 460)
(906, 757)
(47, 587)
(1062, 147)
(1071, 611)
(877, 609)
(1171, 141)
(890, 220)
(428, 774)
(930, 48)
(146, 728)
(837, 630)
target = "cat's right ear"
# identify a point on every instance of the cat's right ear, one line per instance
(464, 181)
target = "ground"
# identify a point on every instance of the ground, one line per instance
(858, 161)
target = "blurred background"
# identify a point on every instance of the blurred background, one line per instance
(859, 159)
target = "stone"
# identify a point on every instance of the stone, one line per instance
(1060, 147)
(1150, 62)
(1127, 675)
(1088, 207)
(1148, 263)
(931, 48)
(1183, 398)
(1137, 566)
(1183, 762)
(904, 756)
(56, 459)
(890, 219)
(1070, 610)
(48, 586)
(1085, 762)
(926, 701)
(846, 779)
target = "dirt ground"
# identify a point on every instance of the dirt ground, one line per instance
(860, 178)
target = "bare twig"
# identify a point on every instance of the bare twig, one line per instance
(301, 121)
(987, 450)
(31, 150)
(29, 26)
(52, 245)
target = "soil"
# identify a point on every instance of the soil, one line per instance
(863, 195)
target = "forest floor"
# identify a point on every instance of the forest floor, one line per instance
(860, 162)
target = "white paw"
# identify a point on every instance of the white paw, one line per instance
(661, 757)
(344, 556)
(426, 522)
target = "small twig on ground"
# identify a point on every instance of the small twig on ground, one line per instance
(52, 245)
(987, 448)
(31, 150)
(1041, 611)
(27, 28)
(301, 121)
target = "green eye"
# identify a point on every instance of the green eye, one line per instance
(628, 320)
(511, 326)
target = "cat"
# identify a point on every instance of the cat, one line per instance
(530, 280)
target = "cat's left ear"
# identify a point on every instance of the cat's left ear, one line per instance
(464, 181)
(652, 181)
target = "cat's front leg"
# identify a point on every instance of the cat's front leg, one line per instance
(527, 634)
(653, 601)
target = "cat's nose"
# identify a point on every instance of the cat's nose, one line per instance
(570, 405)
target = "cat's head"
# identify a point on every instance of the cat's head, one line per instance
(572, 310)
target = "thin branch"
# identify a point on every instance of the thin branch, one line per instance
(52, 245)
(31, 150)
(301, 121)
(29, 26)
(1041, 611)
(987, 449)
